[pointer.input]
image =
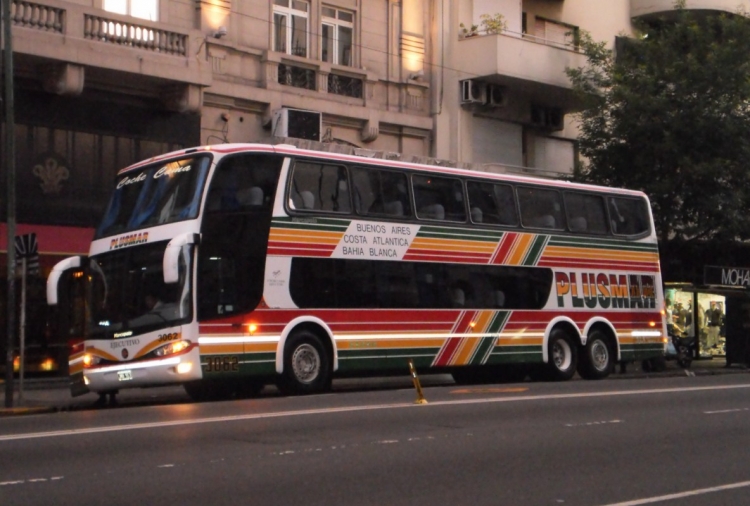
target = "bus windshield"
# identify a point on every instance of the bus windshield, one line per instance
(127, 293)
(155, 195)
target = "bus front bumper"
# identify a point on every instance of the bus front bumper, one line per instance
(163, 371)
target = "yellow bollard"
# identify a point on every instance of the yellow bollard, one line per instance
(420, 395)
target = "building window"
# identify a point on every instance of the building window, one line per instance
(144, 9)
(555, 33)
(290, 30)
(337, 36)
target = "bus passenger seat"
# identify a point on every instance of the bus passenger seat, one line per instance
(395, 208)
(578, 224)
(308, 199)
(251, 196)
(433, 212)
(544, 221)
(458, 297)
(476, 215)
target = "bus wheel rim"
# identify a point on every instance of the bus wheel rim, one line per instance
(599, 356)
(306, 363)
(561, 355)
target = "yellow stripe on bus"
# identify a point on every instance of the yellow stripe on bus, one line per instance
(308, 238)
(465, 350)
(521, 246)
(599, 254)
(216, 349)
(454, 245)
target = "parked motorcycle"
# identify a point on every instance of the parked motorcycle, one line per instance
(682, 349)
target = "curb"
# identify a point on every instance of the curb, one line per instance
(27, 411)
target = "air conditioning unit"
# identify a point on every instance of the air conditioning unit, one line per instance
(496, 96)
(473, 92)
(548, 118)
(297, 123)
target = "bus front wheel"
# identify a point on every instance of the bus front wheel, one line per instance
(597, 361)
(307, 365)
(563, 356)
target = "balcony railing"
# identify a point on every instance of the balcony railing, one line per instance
(345, 85)
(299, 77)
(37, 16)
(99, 28)
(134, 35)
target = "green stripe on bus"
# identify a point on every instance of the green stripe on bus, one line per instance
(460, 233)
(498, 322)
(535, 251)
(606, 244)
(481, 353)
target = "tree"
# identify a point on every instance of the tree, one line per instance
(669, 114)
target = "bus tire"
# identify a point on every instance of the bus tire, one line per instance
(307, 365)
(597, 359)
(563, 356)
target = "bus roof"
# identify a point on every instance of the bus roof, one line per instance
(345, 153)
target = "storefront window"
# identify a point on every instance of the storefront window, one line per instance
(699, 315)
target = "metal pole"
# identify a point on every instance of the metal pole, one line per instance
(10, 167)
(22, 331)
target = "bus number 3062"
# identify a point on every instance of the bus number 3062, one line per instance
(222, 364)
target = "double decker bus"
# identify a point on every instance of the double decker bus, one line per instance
(228, 267)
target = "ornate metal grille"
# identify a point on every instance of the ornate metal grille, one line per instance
(344, 85)
(296, 76)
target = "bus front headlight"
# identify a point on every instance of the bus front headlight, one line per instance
(90, 360)
(172, 348)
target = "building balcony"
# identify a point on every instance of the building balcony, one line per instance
(528, 64)
(59, 42)
(649, 8)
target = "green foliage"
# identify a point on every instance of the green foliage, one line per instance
(670, 115)
(490, 25)
(493, 24)
(467, 32)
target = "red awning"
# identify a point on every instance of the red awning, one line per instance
(52, 240)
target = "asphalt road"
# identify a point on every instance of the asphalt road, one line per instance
(680, 440)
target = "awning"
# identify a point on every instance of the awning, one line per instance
(52, 240)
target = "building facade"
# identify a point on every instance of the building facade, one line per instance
(100, 84)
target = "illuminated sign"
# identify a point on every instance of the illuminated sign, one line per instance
(128, 240)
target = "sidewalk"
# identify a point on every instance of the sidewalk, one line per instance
(52, 395)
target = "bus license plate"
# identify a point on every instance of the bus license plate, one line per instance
(124, 375)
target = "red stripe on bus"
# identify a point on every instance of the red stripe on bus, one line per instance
(504, 248)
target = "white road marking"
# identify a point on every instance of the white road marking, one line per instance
(30, 480)
(682, 495)
(352, 409)
(589, 424)
(721, 411)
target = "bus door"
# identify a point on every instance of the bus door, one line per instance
(66, 287)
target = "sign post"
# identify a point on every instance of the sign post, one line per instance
(28, 255)
(9, 157)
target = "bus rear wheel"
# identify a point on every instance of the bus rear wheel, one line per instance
(307, 365)
(597, 360)
(563, 357)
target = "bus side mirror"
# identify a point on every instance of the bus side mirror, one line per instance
(172, 256)
(54, 277)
